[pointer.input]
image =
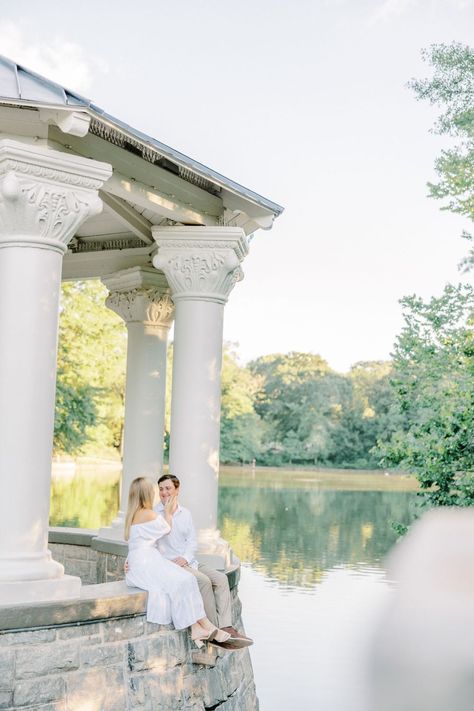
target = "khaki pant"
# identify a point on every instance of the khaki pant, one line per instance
(214, 588)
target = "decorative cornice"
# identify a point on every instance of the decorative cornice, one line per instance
(101, 245)
(113, 135)
(149, 306)
(200, 263)
(46, 195)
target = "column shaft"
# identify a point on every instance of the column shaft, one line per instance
(28, 340)
(144, 404)
(195, 406)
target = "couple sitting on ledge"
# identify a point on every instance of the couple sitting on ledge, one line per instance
(162, 545)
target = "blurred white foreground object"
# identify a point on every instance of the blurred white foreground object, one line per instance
(422, 657)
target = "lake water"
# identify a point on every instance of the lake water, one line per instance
(312, 545)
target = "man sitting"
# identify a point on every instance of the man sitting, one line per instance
(180, 546)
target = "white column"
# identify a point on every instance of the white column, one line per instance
(44, 197)
(202, 264)
(141, 297)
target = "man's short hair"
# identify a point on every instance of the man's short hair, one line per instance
(172, 477)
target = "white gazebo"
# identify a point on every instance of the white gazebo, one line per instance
(83, 195)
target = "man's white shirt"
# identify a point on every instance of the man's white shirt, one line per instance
(181, 541)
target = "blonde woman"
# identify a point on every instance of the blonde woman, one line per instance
(173, 594)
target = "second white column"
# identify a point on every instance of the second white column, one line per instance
(202, 264)
(141, 297)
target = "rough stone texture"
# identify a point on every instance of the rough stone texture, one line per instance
(117, 665)
(121, 663)
(92, 566)
(78, 560)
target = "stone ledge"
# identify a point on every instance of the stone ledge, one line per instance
(97, 602)
(72, 536)
(105, 546)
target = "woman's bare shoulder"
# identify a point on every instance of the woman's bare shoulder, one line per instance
(144, 515)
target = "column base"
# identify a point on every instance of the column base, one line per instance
(66, 587)
(213, 550)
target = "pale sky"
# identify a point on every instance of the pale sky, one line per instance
(304, 102)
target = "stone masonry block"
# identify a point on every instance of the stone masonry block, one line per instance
(178, 648)
(152, 627)
(39, 691)
(88, 634)
(114, 567)
(167, 689)
(159, 652)
(101, 568)
(7, 669)
(126, 628)
(57, 549)
(31, 637)
(137, 696)
(103, 689)
(81, 568)
(6, 698)
(54, 660)
(103, 655)
(77, 552)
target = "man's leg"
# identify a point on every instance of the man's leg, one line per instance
(220, 586)
(207, 594)
(221, 594)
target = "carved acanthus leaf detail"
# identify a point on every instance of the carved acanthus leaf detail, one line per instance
(145, 305)
(209, 274)
(43, 210)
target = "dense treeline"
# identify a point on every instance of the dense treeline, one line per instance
(280, 409)
(293, 409)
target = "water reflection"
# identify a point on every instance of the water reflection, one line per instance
(293, 535)
(84, 501)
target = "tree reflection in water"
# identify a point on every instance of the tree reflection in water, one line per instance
(291, 526)
(294, 532)
(89, 501)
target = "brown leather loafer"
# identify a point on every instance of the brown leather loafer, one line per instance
(232, 644)
(236, 635)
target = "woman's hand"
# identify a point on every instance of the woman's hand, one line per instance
(169, 509)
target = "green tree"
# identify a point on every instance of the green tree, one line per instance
(91, 372)
(241, 427)
(451, 89)
(368, 415)
(433, 380)
(299, 401)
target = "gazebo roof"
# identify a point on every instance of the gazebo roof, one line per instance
(24, 87)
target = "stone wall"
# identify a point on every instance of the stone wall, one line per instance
(98, 653)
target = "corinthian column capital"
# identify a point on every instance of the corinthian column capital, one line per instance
(200, 263)
(140, 295)
(45, 195)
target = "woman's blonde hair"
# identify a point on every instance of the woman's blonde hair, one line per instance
(141, 495)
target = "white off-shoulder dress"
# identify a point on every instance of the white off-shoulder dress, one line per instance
(173, 593)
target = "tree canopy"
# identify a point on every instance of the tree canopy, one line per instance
(451, 89)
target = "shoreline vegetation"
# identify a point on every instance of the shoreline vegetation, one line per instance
(85, 493)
